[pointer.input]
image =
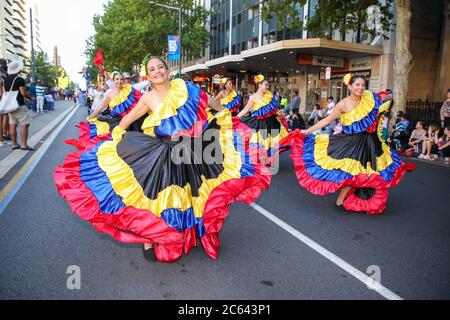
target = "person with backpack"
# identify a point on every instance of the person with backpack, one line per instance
(4, 127)
(13, 82)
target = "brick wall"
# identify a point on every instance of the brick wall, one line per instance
(425, 47)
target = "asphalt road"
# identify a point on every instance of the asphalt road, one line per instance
(409, 243)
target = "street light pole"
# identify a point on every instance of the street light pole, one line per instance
(179, 27)
(33, 61)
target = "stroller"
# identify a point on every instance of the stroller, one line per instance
(49, 102)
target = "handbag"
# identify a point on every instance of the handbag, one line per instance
(9, 101)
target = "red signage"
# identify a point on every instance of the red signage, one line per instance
(200, 79)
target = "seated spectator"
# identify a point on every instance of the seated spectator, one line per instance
(444, 145)
(399, 138)
(338, 127)
(317, 115)
(295, 120)
(417, 138)
(430, 147)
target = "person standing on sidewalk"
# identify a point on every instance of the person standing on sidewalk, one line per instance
(14, 82)
(445, 111)
(4, 126)
(40, 93)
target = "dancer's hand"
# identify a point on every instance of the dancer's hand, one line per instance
(91, 120)
(118, 133)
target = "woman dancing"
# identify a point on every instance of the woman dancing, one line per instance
(173, 183)
(358, 162)
(229, 97)
(270, 130)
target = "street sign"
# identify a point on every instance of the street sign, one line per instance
(174, 48)
(328, 73)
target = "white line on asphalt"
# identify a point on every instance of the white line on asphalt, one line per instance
(8, 193)
(388, 294)
(14, 157)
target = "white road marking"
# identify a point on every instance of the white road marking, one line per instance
(8, 193)
(386, 293)
(15, 156)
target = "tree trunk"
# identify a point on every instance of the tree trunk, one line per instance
(403, 57)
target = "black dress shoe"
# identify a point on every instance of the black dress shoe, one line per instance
(341, 209)
(149, 254)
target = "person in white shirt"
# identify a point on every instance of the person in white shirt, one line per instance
(141, 86)
(330, 107)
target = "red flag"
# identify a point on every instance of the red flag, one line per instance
(99, 60)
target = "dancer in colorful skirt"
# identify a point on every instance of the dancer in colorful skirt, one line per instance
(229, 97)
(270, 129)
(357, 162)
(120, 100)
(172, 184)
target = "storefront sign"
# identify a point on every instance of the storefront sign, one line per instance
(200, 79)
(374, 84)
(328, 73)
(328, 61)
(340, 75)
(363, 63)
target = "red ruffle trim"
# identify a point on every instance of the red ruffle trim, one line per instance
(373, 206)
(137, 97)
(320, 187)
(133, 225)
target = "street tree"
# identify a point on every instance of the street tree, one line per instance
(46, 71)
(129, 29)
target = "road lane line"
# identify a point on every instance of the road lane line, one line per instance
(386, 293)
(10, 190)
(15, 156)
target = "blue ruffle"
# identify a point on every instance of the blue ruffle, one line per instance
(97, 181)
(247, 169)
(186, 115)
(389, 172)
(366, 122)
(236, 103)
(124, 106)
(317, 172)
(92, 130)
(183, 220)
(273, 105)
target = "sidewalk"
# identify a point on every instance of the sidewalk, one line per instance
(440, 162)
(38, 122)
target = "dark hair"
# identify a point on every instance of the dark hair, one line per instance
(421, 123)
(296, 92)
(448, 128)
(3, 65)
(330, 98)
(158, 58)
(354, 78)
(448, 91)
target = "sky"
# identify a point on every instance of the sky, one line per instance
(67, 24)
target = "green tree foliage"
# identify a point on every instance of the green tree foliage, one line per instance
(129, 29)
(329, 16)
(283, 10)
(46, 71)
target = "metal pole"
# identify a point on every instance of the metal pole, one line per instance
(57, 67)
(33, 61)
(181, 45)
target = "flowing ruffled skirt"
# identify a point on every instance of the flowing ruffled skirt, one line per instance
(327, 163)
(270, 136)
(166, 192)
